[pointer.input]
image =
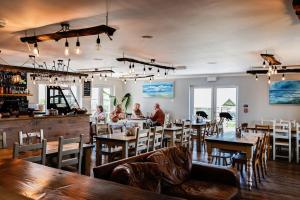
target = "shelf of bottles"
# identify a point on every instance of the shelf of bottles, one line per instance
(13, 87)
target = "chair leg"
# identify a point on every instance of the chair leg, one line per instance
(254, 176)
(262, 169)
(258, 172)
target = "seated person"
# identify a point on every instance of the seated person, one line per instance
(99, 115)
(137, 113)
(117, 114)
(158, 116)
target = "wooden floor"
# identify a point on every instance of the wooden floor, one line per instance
(282, 182)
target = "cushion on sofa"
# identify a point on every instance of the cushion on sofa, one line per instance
(194, 189)
(175, 164)
(144, 175)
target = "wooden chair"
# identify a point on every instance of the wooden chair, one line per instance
(220, 126)
(282, 139)
(31, 137)
(142, 141)
(3, 144)
(240, 160)
(115, 129)
(69, 155)
(264, 153)
(297, 141)
(32, 152)
(102, 128)
(158, 135)
(259, 128)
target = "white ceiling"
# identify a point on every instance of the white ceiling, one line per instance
(195, 33)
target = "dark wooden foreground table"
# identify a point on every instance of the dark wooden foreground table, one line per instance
(52, 151)
(25, 180)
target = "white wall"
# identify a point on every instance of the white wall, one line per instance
(251, 92)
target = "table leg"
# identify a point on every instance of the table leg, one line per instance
(98, 152)
(249, 154)
(125, 149)
(86, 164)
(199, 139)
(209, 151)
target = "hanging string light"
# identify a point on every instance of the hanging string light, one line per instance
(35, 49)
(125, 82)
(79, 79)
(269, 80)
(77, 50)
(144, 71)
(256, 77)
(165, 73)
(50, 79)
(132, 70)
(105, 77)
(33, 78)
(98, 46)
(264, 64)
(92, 78)
(129, 68)
(66, 47)
(100, 77)
(135, 80)
(158, 74)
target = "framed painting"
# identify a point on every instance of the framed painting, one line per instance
(158, 89)
(284, 92)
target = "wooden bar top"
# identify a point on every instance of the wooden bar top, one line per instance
(21, 180)
(26, 117)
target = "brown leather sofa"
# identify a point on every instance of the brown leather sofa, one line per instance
(171, 171)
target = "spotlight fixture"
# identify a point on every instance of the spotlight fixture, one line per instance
(283, 77)
(35, 49)
(66, 47)
(98, 46)
(77, 50)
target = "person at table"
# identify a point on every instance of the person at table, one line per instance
(137, 113)
(158, 116)
(117, 114)
(99, 115)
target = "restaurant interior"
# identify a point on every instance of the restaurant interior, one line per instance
(136, 99)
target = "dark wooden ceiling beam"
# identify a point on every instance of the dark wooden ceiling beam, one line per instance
(131, 60)
(39, 70)
(270, 59)
(70, 33)
(280, 71)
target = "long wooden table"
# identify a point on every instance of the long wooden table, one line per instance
(229, 141)
(116, 139)
(52, 151)
(25, 180)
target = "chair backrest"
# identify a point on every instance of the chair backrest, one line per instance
(158, 135)
(267, 122)
(259, 128)
(211, 127)
(102, 128)
(32, 152)
(3, 140)
(186, 133)
(31, 137)
(142, 141)
(115, 129)
(257, 151)
(298, 133)
(70, 152)
(219, 125)
(281, 131)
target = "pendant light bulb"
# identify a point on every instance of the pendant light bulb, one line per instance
(256, 77)
(66, 47)
(135, 80)
(98, 46)
(74, 81)
(79, 79)
(165, 74)
(132, 68)
(125, 82)
(100, 77)
(264, 64)
(283, 77)
(269, 80)
(35, 49)
(50, 79)
(144, 70)
(158, 72)
(77, 50)
(105, 77)
(92, 78)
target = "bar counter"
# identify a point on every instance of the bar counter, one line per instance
(53, 126)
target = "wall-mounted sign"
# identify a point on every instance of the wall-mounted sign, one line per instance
(87, 88)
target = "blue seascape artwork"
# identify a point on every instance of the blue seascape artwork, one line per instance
(158, 89)
(284, 92)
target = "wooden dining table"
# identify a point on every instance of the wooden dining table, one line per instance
(25, 180)
(116, 139)
(52, 151)
(172, 132)
(229, 141)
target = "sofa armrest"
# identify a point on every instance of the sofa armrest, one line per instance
(213, 173)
